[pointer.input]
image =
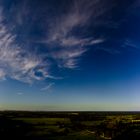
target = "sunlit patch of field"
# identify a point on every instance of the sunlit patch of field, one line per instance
(49, 121)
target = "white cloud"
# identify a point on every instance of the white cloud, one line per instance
(48, 87)
(67, 58)
(96, 41)
(61, 32)
(64, 47)
(15, 61)
(2, 75)
(130, 44)
(73, 41)
(79, 15)
(20, 93)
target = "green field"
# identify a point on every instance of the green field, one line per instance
(69, 125)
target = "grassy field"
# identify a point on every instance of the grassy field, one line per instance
(69, 125)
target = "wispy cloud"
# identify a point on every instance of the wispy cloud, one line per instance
(19, 93)
(15, 61)
(19, 55)
(62, 32)
(2, 75)
(130, 44)
(48, 87)
(78, 15)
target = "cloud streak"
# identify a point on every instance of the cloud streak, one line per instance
(19, 93)
(48, 87)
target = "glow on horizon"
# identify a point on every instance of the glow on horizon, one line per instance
(74, 107)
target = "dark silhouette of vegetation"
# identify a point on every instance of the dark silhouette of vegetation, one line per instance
(13, 128)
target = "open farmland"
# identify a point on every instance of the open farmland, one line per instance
(69, 125)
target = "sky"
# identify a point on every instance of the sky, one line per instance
(70, 55)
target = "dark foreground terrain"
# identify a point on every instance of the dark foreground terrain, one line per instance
(69, 125)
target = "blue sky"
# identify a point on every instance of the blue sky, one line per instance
(70, 55)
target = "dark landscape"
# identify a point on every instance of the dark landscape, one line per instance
(69, 125)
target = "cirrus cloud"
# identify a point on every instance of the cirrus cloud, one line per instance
(21, 57)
